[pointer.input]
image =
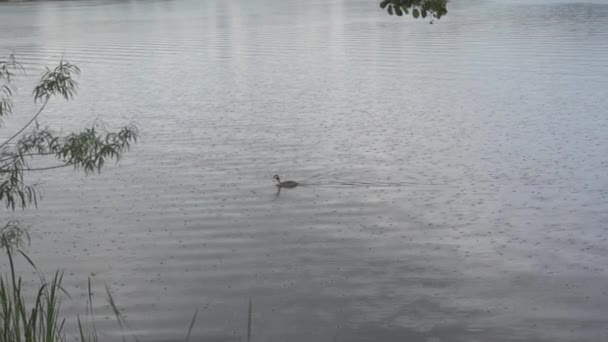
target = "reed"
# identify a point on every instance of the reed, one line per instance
(38, 319)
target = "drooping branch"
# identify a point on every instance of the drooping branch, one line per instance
(59, 81)
(44, 168)
(91, 148)
(7, 69)
(27, 155)
(88, 150)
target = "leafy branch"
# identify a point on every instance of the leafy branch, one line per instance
(434, 9)
(88, 150)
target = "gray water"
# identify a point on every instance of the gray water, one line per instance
(455, 184)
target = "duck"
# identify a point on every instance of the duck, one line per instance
(286, 184)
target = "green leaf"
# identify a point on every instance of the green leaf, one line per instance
(416, 13)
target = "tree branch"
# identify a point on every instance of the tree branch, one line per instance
(27, 155)
(45, 168)
(26, 125)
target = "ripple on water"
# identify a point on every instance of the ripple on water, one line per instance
(453, 174)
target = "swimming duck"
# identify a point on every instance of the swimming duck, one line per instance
(286, 184)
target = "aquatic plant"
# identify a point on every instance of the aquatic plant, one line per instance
(37, 318)
(38, 321)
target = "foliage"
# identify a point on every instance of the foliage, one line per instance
(434, 9)
(38, 320)
(87, 150)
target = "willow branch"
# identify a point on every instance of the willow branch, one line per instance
(26, 156)
(26, 125)
(42, 168)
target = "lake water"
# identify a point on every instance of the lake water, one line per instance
(455, 174)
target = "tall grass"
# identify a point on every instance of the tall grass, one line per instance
(87, 329)
(38, 319)
(33, 319)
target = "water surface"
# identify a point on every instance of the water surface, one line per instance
(455, 184)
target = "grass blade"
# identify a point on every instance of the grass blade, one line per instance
(191, 325)
(249, 320)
